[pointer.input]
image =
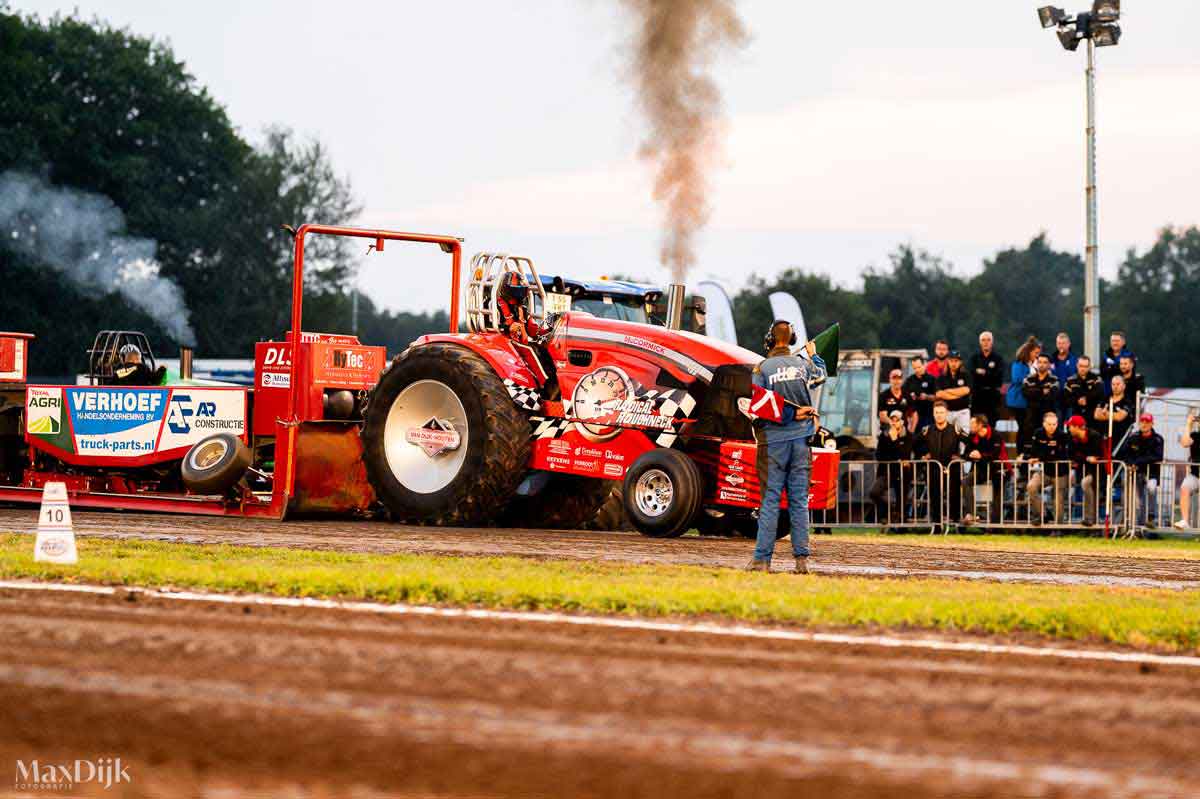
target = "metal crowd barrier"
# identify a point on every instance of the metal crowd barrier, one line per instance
(1015, 495)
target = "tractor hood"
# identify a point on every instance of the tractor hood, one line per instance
(692, 355)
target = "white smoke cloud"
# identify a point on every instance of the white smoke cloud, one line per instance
(82, 236)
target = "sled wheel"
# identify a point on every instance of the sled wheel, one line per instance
(442, 441)
(662, 493)
(214, 464)
(566, 503)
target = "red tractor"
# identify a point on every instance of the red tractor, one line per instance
(526, 418)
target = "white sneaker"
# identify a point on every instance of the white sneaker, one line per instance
(1181, 525)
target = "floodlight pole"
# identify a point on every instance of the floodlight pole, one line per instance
(1091, 307)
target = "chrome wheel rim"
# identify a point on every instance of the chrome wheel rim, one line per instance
(653, 492)
(412, 467)
(209, 453)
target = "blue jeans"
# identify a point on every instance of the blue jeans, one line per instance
(788, 464)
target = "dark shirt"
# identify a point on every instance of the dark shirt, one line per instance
(1090, 389)
(1119, 427)
(889, 402)
(1110, 363)
(137, 375)
(1047, 448)
(1135, 384)
(924, 384)
(940, 445)
(1092, 446)
(1194, 454)
(1144, 453)
(1041, 394)
(899, 450)
(988, 444)
(960, 379)
(987, 371)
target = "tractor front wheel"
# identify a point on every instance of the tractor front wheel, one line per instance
(662, 493)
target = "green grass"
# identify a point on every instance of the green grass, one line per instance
(1158, 619)
(1069, 545)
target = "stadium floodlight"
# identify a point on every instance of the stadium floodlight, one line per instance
(1051, 16)
(1069, 38)
(1106, 35)
(1099, 27)
(1106, 10)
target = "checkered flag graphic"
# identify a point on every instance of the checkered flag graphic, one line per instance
(523, 397)
(546, 427)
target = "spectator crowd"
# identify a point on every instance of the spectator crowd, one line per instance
(1073, 422)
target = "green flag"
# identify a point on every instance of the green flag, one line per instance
(826, 344)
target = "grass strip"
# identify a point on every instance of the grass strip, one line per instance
(1039, 544)
(1143, 618)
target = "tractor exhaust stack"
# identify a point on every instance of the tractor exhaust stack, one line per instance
(675, 293)
(185, 363)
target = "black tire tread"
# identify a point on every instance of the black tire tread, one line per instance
(567, 502)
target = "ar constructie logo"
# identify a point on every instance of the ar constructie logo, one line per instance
(103, 772)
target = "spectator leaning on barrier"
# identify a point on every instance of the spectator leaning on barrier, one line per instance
(987, 376)
(1135, 384)
(919, 389)
(1022, 365)
(892, 398)
(941, 442)
(1122, 412)
(1190, 439)
(941, 353)
(983, 448)
(892, 475)
(1084, 390)
(1110, 362)
(1041, 392)
(788, 455)
(1144, 452)
(954, 389)
(1087, 456)
(1049, 449)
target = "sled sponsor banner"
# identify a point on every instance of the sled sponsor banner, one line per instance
(350, 366)
(116, 422)
(194, 414)
(576, 454)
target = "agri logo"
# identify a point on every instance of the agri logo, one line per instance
(182, 410)
(43, 411)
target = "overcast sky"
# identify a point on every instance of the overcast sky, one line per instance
(955, 126)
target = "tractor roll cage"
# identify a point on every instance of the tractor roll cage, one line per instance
(105, 353)
(488, 269)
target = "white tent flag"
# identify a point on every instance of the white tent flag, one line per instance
(785, 307)
(719, 314)
(56, 534)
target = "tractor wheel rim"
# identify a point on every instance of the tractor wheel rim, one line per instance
(209, 453)
(653, 492)
(414, 407)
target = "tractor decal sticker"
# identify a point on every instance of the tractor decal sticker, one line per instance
(116, 422)
(609, 400)
(44, 417)
(434, 437)
(194, 413)
(525, 398)
(689, 365)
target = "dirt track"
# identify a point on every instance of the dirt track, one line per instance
(200, 698)
(831, 557)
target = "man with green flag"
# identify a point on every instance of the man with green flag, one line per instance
(790, 377)
(826, 345)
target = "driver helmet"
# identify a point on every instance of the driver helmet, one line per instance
(130, 354)
(514, 288)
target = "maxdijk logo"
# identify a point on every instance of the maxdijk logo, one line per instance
(104, 772)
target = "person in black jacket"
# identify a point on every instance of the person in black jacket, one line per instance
(1121, 414)
(1083, 391)
(919, 388)
(1048, 448)
(1086, 450)
(1134, 383)
(954, 388)
(987, 370)
(1144, 452)
(1040, 390)
(893, 475)
(983, 449)
(940, 442)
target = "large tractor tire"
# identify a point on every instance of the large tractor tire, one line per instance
(567, 502)
(446, 389)
(662, 493)
(611, 514)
